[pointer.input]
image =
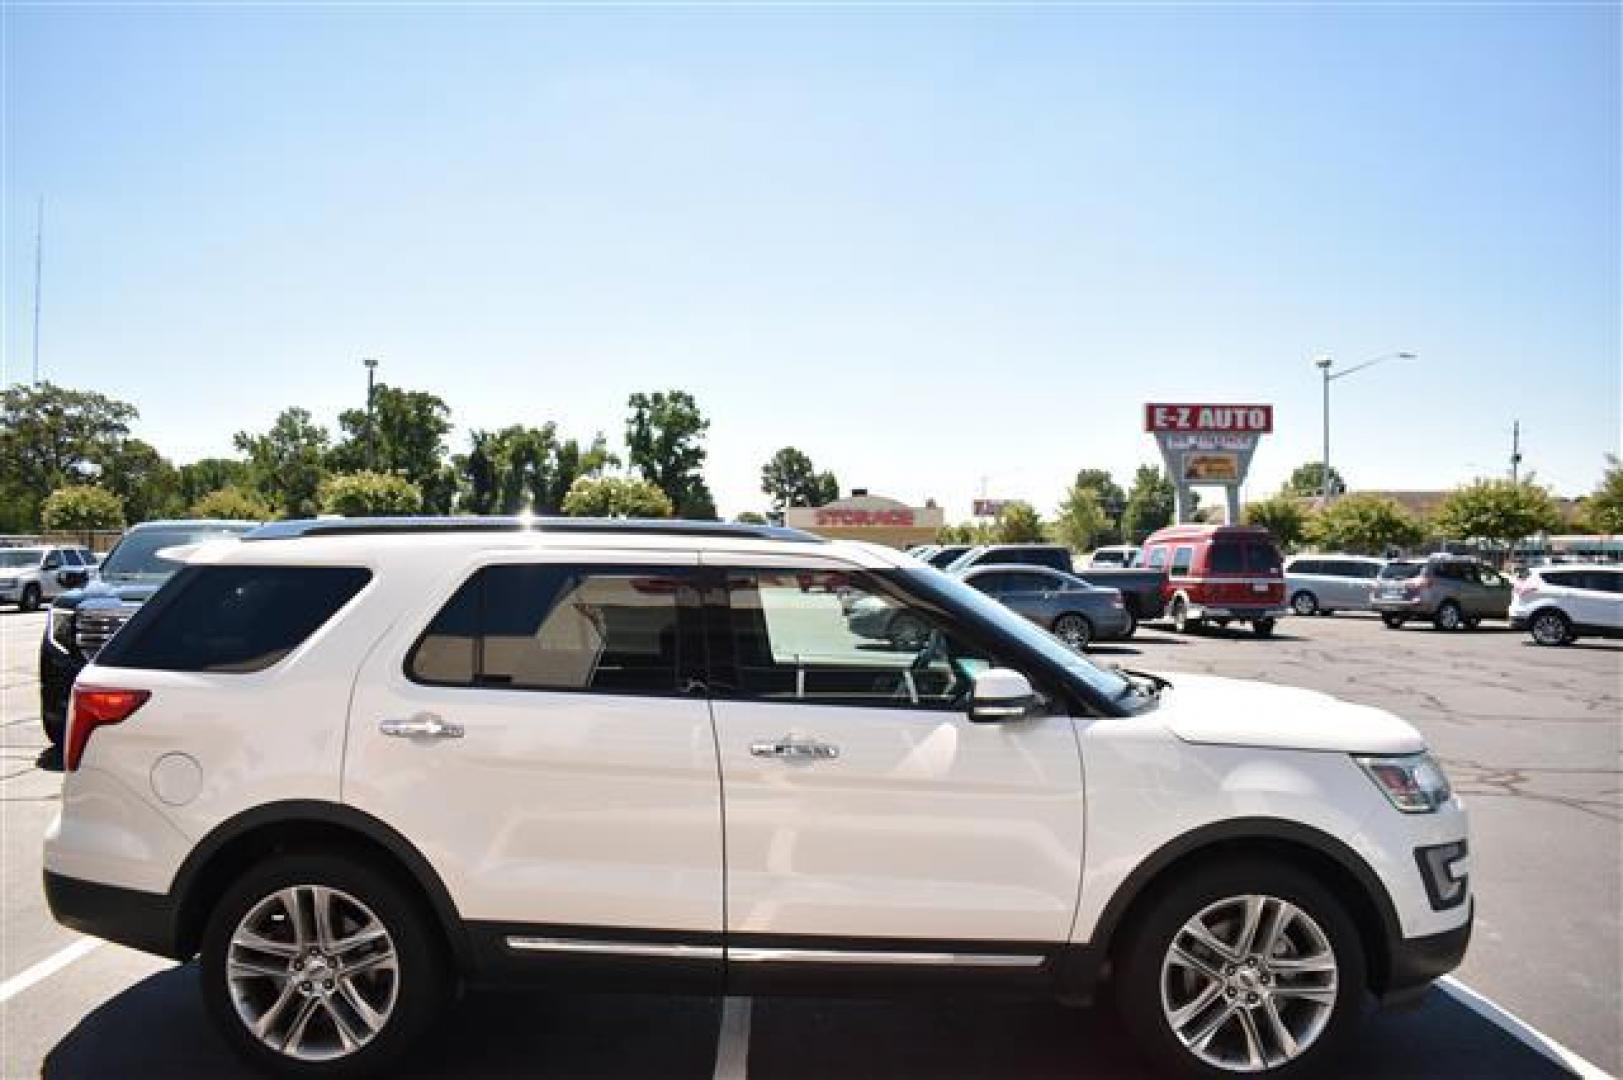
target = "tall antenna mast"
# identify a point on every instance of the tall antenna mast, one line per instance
(39, 263)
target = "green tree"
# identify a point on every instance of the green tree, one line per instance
(1149, 504)
(288, 462)
(231, 503)
(1603, 511)
(967, 532)
(616, 497)
(665, 443)
(1282, 515)
(210, 474)
(80, 508)
(523, 469)
(750, 517)
(408, 430)
(1112, 500)
(1019, 523)
(791, 480)
(50, 436)
(1080, 520)
(1498, 511)
(141, 477)
(1308, 479)
(1364, 525)
(367, 493)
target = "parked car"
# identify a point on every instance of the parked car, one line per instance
(1326, 584)
(1558, 604)
(1072, 610)
(1219, 574)
(1142, 591)
(31, 575)
(84, 617)
(350, 764)
(1114, 555)
(945, 555)
(1454, 592)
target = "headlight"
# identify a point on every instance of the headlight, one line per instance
(60, 631)
(1414, 783)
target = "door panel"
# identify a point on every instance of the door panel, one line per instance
(904, 820)
(586, 807)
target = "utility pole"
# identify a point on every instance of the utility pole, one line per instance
(39, 267)
(1515, 451)
(371, 363)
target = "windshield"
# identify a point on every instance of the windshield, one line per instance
(1402, 569)
(13, 558)
(955, 593)
(136, 556)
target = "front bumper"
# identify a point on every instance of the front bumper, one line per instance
(1413, 964)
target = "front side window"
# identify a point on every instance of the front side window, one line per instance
(551, 627)
(1182, 559)
(839, 638)
(1398, 571)
(232, 618)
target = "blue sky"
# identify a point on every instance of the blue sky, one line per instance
(925, 245)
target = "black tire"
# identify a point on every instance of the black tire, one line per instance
(1155, 924)
(1132, 624)
(1263, 627)
(422, 978)
(1393, 622)
(1449, 617)
(1550, 627)
(1181, 622)
(1074, 630)
(30, 598)
(1305, 603)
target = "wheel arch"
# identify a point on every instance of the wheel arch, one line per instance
(1330, 860)
(254, 834)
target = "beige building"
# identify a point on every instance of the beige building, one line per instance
(873, 518)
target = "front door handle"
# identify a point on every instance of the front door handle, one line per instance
(424, 725)
(793, 748)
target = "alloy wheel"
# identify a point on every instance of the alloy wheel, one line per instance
(313, 973)
(1305, 603)
(1249, 983)
(1549, 628)
(1074, 631)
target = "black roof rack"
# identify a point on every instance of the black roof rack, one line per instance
(383, 526)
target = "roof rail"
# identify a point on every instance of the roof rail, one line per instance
(386, 526)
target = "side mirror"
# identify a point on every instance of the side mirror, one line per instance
(72, 579)
(1000, 695)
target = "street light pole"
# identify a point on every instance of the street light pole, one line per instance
(371, 363)
(1324, 363)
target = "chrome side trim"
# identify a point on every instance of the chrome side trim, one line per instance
(867, 956)
(665, 950)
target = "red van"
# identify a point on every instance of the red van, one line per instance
(1219, 574)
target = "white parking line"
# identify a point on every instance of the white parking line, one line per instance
(48, 967)
(1521, 1030)
(733, 1040)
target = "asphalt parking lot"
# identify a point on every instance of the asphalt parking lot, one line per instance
(1531, 736)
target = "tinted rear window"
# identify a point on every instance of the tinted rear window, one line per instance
(1225, 559)
(1399, 570)
(1261, 558)
(232, 618)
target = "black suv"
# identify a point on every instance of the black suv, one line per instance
(82, 620)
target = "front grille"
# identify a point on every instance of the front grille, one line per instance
(93, 629)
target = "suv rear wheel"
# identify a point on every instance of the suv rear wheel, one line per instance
(316, 965)
(1305, 603)
(1249, 967)
(30, 598)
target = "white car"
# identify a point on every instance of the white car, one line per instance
(349, 762)
(31, 575)
(1560, 603)
(1114, 555)
(1325, 584)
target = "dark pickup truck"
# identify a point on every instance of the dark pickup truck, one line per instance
(1143, 592)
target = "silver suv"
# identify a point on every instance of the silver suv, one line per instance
(1453, 591)
(30, 575)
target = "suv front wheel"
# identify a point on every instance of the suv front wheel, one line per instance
(1251, 967)
(314, 965)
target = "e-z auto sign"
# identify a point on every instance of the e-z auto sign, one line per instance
(1235, 419)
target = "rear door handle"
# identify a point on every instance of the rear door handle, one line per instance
(424, 725)
(792, 748)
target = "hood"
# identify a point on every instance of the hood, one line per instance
(131, 592)
(1239, 712)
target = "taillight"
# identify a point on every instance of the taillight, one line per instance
(94, 707)
(1418, 585)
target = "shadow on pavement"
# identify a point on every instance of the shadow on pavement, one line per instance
(158, 1028)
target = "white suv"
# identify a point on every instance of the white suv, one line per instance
(1557, 605)
(348, 762)
(30, 575)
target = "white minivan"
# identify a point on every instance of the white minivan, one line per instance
(1325, 584)
(352, 763)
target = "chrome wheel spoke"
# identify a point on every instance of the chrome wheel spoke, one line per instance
(1253, 1040)
(1315, 994)
(363, 1011)
(268, 1020)
(1202, 1038)
(292, 903)
(1201, 1002)
(1185, 958)
(322, 901)
(301, 1021)
(365, 936)
(248, 939)
(248, 967)
(378, 961)
(1281, 917)
(1254, 907)
(1198, 930)
(1282, 1034)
